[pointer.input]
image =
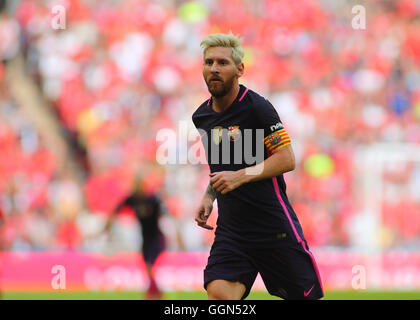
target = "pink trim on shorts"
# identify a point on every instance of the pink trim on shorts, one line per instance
(298, 238)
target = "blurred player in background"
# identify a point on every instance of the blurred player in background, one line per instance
(148, 208)
(257, 228)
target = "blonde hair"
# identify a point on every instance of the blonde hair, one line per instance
(225, 40)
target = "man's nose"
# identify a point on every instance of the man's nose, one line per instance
(214, 68)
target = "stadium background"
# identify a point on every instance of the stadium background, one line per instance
(80, 109)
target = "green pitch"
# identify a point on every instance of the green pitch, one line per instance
(256, 295)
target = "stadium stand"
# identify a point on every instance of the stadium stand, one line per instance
(122, 70)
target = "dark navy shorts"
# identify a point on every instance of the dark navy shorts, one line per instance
(152, 248)
(289, 271)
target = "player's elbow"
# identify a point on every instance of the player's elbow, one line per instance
(291, 165)
(286, 159)
(286, 165)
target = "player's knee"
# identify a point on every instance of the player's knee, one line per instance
(225, 290)
(220, 295)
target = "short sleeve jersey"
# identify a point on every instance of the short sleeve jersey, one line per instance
(246, 133)
(148, 210)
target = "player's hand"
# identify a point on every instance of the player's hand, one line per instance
(225, 181)
(203, 213)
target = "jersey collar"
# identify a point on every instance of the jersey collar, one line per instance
(241, 94)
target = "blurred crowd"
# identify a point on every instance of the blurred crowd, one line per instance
(120, 71)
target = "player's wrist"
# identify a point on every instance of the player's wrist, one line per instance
(208, 198)
(243, 177)
(210, 193)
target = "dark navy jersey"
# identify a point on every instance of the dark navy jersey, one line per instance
(148, 209)
(257, 213)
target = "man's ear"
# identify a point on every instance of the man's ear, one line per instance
(241, 69)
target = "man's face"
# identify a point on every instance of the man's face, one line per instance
(220, 71)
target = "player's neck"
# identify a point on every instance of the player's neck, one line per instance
(222, 103)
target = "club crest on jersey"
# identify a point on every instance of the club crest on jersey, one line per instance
(217, 133)
(234, 133)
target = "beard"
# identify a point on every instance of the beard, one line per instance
(219, 89)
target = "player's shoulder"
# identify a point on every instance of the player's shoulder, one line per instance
(201, 111)
(256, 100)
(202, 108)
(154, 197)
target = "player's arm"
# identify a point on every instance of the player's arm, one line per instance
(281, 158)
(281, 161)
(111, 218)
(109, 222)
(176, 223)
(203, 211)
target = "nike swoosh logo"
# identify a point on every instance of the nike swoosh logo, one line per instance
(306, 293)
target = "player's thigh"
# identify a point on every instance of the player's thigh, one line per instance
(230, 267)
(225, 290)
(152, 248)
(290, 272)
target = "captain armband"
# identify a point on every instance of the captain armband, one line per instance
(277, 140)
